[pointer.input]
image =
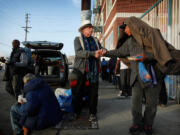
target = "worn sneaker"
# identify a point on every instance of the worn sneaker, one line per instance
(135, 129)
(148, 129)
(92, 117)
(120, 95)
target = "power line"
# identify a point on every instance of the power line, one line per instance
(26, 27)
(4, 44)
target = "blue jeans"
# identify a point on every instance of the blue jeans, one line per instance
(15, 115)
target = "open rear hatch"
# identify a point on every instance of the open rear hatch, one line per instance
(43, 45)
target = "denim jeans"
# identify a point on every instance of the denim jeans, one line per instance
(15, 115)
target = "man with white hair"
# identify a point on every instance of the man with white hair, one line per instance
(87, 54)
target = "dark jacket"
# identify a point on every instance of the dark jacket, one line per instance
(81, 54)
(41, 109)
(130, 48)
(18, 61)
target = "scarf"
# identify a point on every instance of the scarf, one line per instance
(92, 62)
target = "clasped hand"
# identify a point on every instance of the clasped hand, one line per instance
(100, 53)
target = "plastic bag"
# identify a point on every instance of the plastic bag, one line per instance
(143, 73)
(64, 97)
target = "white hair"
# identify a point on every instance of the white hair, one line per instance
(28, 77)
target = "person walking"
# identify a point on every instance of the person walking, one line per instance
(104, 66)
(124, 79)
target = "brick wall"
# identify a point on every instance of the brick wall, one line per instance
(105, 13)
(138, 6)
(128, 6)
(125, 6)
(110, 17)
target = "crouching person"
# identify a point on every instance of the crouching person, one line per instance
(38, 110)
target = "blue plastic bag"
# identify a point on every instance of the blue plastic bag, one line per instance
(65, 101)
(143, 73)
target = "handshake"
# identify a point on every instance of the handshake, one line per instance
(100, 53)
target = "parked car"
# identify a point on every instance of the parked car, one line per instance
(49, 62)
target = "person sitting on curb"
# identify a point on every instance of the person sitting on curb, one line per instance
(38, 110)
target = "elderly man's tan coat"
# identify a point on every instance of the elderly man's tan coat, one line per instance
(151, 40)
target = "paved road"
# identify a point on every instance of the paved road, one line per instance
(114, 115)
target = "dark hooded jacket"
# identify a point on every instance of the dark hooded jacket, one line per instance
(41, 109)
(131, 48)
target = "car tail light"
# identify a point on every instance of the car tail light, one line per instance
(87, 83)
(73, 83)
(61, 68)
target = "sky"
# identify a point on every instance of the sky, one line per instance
(51, 20)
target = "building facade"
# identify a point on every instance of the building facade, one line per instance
(161, 14)
(110, 14)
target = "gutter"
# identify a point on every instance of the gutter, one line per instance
(169, 12)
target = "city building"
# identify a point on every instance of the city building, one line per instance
(161, 14)
(109, 15)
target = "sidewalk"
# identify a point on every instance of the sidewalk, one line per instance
(114, 116)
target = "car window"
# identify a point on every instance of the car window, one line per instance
(53, 58)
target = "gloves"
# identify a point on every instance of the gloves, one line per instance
(140, 57)
(73, 83)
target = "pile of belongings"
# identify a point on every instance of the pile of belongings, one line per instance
(64, 97)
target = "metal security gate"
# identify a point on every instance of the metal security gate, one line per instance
(165, 15)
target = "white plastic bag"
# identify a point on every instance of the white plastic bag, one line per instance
(60, 92)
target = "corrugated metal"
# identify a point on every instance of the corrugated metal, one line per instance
(158, 17)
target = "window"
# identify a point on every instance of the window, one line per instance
(102, 18)
(108, 7)
(109, 41)
(99, 2)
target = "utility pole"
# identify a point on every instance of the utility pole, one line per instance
(85, 5)
(86, 10)
(26, 27)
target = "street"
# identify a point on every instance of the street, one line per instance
(114, 115)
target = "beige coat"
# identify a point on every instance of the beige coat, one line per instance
(150, 39)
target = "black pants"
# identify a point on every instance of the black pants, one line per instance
(104, 73)
(14, 82)
(15, 85)
(79, 91)
(152, 95)
(163, 94)
(125, 81)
